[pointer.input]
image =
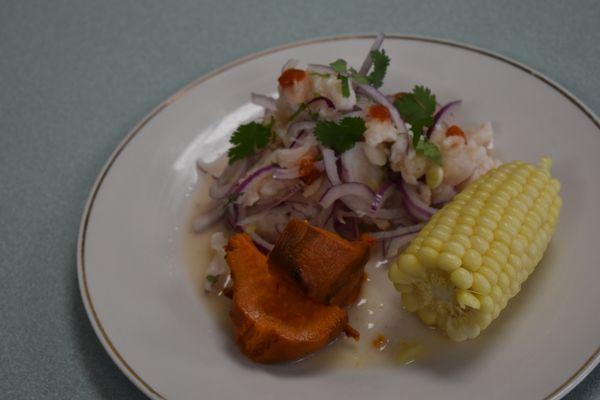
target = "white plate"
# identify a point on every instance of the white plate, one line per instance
(142, 297)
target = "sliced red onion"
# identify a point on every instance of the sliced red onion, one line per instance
(388, 213)
(226, 182)
(261, 243)
(262, 208)
(298, 129)
(321, 69)
(382, 194)
(414, 205)
(260, 213)
(253, 176)
(330, 161)
(345, 190)
(398, 243)
(233, 215)
(264, 101)
(324, 99)
(289, 64)
(366, 65)
(286, 173)
(296, 140)
(208, 219)
(443, 113)
(394, 233)
(294, 173)
(380, 98)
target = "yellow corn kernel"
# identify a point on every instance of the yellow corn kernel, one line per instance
(433, 242)
(461, 240)
(461, 278)
(503, 237)
(411, 266)
(463, 230)
(487, 304)
(484, 232)
(454, 248)
(448, 261)
(434, 176)
(480, 284)
(427, 256)
(479, 244)
(467, 299)
(490, 275)
(472, 260)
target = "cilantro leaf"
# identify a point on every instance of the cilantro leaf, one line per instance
(430, 151)
(340, 136)
(380, 63)
(345, 85)
(340, 66)
(358, 77)
(247, 139)
(417, 109)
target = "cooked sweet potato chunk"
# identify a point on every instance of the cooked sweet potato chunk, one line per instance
(322, 262)
(274, 320)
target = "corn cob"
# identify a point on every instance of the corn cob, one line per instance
(474, 254)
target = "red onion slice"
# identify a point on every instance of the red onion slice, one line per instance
(389, 213)
(208, 219)
(382, 194)
(404, 230)
(286, 173)
(380, 98)
(253, 176)
(354, 190)
(261, 243)
(299, 129)
(414, 205)
(264, 101)
(330, 161)
(324, 99)
(293, 173)
(366, 65)
(443, 113)
(226, 182)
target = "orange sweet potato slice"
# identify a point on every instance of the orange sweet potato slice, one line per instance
(322, 262)
(274, 320)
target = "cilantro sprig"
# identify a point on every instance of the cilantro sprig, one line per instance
(247, 139)
(340, 136)
(417, 109)
(380, 63)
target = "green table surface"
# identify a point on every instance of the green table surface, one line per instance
(76, 76)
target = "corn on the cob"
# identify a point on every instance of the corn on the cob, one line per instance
(474, 254)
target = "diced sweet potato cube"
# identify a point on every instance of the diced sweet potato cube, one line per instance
(322, 262)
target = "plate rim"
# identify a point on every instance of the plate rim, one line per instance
(99, 330)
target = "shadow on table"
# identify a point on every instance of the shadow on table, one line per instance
(108, 381)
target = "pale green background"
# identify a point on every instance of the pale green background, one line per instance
(75, 77)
